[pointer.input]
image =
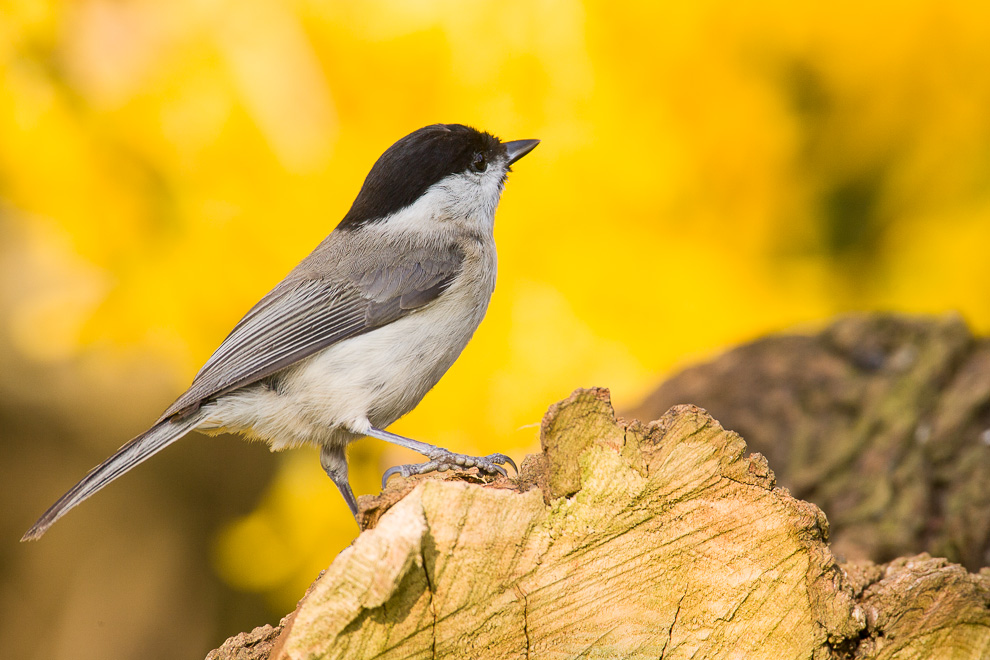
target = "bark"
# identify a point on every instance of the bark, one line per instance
(883, 421)
(620, 540)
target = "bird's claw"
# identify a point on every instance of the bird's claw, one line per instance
(444, 460)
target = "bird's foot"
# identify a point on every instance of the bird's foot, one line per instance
(443, 460)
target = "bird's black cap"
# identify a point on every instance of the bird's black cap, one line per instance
(410, 166)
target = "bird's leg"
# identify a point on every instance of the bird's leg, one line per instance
(334, 462)
(441, 459)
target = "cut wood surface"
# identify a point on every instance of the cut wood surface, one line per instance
(620, 540)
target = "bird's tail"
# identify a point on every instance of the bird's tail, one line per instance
(136, 451)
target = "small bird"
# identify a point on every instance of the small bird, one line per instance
(355, 335)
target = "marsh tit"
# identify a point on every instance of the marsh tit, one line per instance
(358, 332)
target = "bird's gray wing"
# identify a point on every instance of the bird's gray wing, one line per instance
(302, 316)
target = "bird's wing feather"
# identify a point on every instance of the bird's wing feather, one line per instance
(302, 316)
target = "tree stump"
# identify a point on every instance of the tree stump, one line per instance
(620, 540)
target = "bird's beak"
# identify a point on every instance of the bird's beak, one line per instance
(519, 148)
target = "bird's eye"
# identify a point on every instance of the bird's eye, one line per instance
(479, 164)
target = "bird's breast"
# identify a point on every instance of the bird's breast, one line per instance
(385, 372)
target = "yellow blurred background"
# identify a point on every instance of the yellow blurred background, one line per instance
(710, 171)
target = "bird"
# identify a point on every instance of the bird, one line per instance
(362, 328)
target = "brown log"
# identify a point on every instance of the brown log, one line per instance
(620, 540)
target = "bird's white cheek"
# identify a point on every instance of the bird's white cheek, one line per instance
(472, 199)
